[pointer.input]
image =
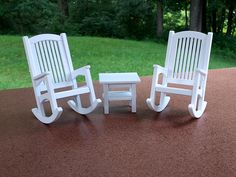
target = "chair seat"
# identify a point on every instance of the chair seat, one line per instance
(174, 90)
(67, 93)
(80, 90)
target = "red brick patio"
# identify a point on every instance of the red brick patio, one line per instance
(123, 144)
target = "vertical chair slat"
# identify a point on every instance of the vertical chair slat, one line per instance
(43, 57)
(60, 63)
(39, 58)
(191, 70)
(181, 58)
(185, 58)
(49, 61)
(179, 44)
(189, 58)
(197, 55)
(54, 60)
(62, 60)
(174, 55)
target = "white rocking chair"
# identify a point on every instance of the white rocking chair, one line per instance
(51, 68)
(186, 63)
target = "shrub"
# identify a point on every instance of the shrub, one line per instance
(98, 24)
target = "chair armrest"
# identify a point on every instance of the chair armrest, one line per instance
(43, 77)
(80, 71)
(160, 69)
(200, 79)
(201, 71)
(40, 76)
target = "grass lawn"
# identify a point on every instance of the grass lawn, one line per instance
(103, 54)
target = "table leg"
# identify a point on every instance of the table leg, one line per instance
(133, 88)
(106, 99)
(130, 90)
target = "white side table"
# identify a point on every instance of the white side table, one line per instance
(119, 80)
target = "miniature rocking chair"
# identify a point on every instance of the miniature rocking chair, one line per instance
(51, 69)
(186, 63)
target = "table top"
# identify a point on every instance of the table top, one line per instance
(119, 78)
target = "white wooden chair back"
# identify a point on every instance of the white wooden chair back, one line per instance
(50, 53)
(186, 52)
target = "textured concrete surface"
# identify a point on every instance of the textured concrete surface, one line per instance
(123, 144)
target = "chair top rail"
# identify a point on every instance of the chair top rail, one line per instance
(192, 34)
(180, 81)
(43, 37)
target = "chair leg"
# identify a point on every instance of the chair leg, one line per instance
(196, 110)
(39, 112)
(56, 113)
(77, 106)
(164, 100)
(198, 105)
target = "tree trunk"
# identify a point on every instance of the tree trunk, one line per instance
(214, 20)
(204, 16)
(221, 21)
(159, 18)
(230, 21)
(196, 15)
(64, 8)
(186, 14)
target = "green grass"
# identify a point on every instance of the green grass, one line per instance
(103, 54)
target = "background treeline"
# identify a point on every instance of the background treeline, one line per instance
(138, 19)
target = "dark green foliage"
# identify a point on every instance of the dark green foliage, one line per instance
(98, 24)
(134, 18)
(225, 43)
(27, 16)
(92, 17)
(174, 21)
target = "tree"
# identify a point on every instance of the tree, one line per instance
(132, 17)
(196, 10)
(230, 18)
(213, 9)
(159, 18)
(220, 23)
(186, 13)
(204, 16)
(63, 6)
